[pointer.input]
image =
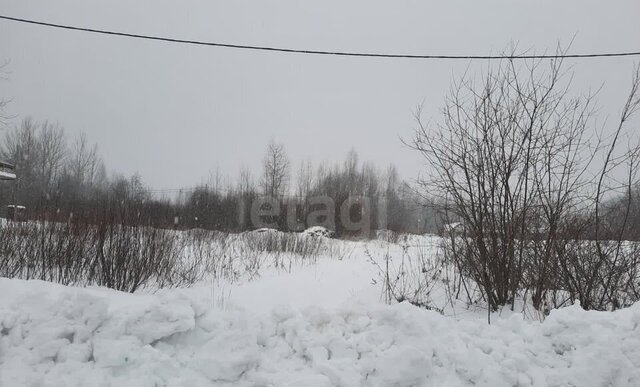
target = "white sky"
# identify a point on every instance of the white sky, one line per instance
(173, 112)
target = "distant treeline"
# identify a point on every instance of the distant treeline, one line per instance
(62, 179)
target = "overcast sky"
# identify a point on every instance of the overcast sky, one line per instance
(175, 112)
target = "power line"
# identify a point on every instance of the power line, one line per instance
(318, 52)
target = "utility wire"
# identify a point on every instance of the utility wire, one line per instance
(319, 52)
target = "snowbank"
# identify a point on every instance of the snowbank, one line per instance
(53, 335)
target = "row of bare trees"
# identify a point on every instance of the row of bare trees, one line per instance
(543, 195)
(392, 204)
(63, 177)
(49, 167)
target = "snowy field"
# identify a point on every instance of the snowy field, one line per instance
(320, 323)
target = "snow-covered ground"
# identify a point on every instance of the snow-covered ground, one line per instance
(321, 324)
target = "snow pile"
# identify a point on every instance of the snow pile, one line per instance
(265, 230)
(61, 336)
(318, 231)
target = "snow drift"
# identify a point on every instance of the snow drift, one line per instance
(53, 335)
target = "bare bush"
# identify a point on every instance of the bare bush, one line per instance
(120, 254)
(413, 276)
(110, 253)
(511, 162)
(129, 257)
(206, 255)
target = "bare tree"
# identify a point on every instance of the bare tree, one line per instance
(38, 151)
(304, 180)
(245, 181)
(20, 146)
(84, 163)
(52, 150)
(276, 170)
